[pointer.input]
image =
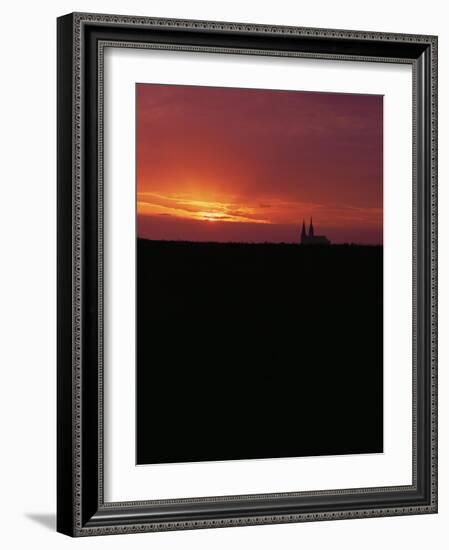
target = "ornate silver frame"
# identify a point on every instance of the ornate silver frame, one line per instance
(81, 42)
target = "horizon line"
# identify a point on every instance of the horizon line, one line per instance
(292, 243)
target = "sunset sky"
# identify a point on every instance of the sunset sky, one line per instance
(244, 165)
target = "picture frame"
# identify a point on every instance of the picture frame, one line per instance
(81, 506)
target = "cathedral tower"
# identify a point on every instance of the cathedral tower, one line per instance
(311, 238)
(303, 232)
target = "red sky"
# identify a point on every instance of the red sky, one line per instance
(231, 164)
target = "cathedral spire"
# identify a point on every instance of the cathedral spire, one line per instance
(310, 238)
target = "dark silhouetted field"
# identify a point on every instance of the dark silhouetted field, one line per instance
(258, 350)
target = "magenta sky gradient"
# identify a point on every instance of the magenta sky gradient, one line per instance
(228, 164)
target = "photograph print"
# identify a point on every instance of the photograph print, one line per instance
(259, 258)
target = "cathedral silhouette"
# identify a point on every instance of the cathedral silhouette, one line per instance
(311, 238)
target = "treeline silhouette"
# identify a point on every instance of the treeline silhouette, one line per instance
(258, 350)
